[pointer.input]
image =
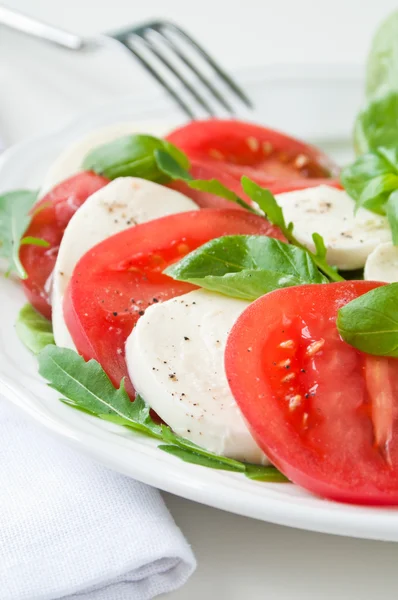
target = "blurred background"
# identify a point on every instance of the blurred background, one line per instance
(56, 84)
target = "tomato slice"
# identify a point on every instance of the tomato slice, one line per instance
(269, 157)
(50, 218)
(118, 279)
(325, 413)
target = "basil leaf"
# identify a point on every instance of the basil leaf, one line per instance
(247, 267)
(170, 167)
(133, 155)
(14, 220)
(370, 322)
(34, 331)
(377, 124)
(382, 65)
(371, 178)
(86, 387)
(392, 215)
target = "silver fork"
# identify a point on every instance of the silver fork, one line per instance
(164, 50)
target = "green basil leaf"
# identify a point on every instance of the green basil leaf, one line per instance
(377, 124)
(172, 169)
(134, 156)
(392, 215)
(377, 191)
(34, 331)
(246, 266)
(382, 65)
(370, 322)
(14, 220)
(371, 178)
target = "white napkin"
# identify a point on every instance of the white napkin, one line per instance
(71, 529)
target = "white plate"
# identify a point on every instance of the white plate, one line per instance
(320, 106)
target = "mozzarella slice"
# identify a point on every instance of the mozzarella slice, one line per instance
(123, 203)
(175, 358)
(69, 162)
(349, 237)
(382, 263)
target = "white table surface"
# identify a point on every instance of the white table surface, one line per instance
(42, 87)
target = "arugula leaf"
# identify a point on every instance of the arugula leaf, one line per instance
(377, 124)
(34, 241)
(268, 204)
(133, 155)
(34, 331)
(370, 322)
(265, 473)
(382, 65)
(86, 387)
(392, 215)
(170, 167)
(14, 220)
(246, 266)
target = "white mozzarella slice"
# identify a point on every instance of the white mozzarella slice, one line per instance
(69, 162)
(382, 263)
(349, 237)
(123, 203)
(175, 358)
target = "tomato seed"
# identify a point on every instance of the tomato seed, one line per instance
(314, 347)
(287, 344)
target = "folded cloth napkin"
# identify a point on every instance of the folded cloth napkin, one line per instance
(72, 529)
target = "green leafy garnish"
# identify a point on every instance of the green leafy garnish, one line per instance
(246, 266)
(268, 204)
(33, 329)
(263, 198)
(86, 387)
(370, 322)
(134, 156)
(372, 180)
(14, 220)
(382, 65)
(170, 167)
(377, 124)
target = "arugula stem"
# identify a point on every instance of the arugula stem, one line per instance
(322, 265)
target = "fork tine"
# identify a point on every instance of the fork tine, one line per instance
(222, 74)
(198, 97)
(158, 78)
(183, 57)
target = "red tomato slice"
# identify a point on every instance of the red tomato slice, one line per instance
(118, 279)
(50, 218)
(268, 157)
(325, 413)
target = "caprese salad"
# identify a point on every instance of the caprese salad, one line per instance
(225, 289)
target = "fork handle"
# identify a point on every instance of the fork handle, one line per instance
(35, 28)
